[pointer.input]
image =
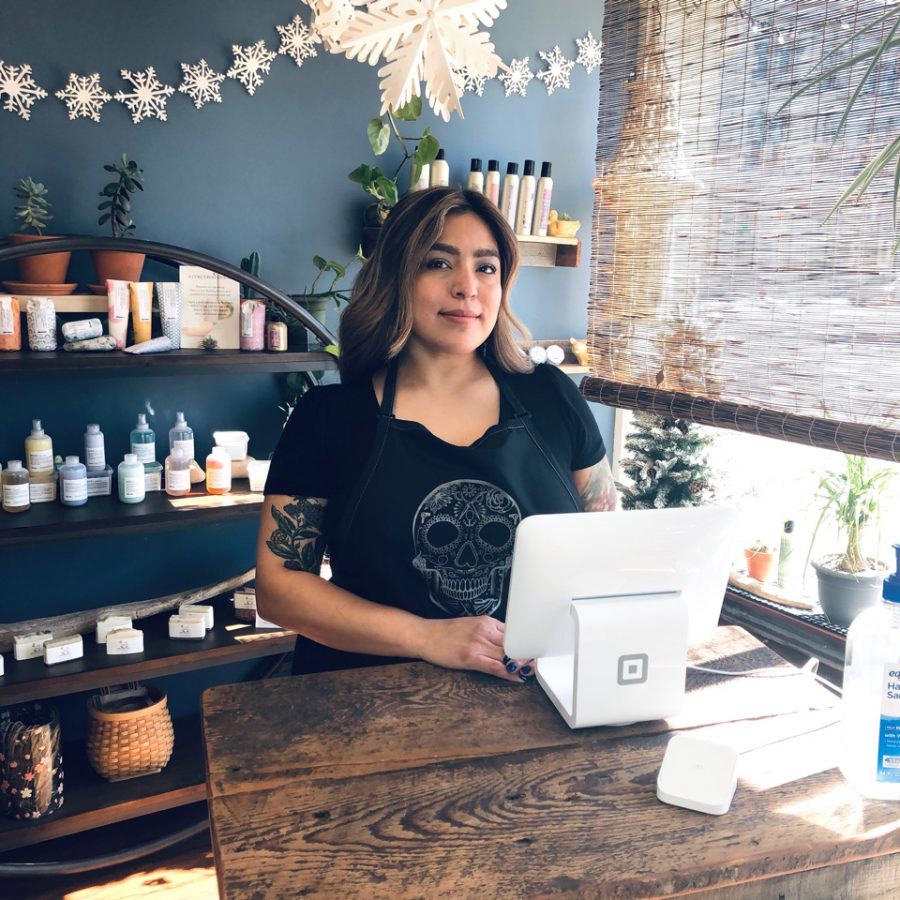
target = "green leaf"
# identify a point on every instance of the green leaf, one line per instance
(332, 349)
(320, 263)
(427, 151)
(387, 189)
(410, 111)
(103, 219)
(362, 174)
(865, 177)
(379, 135)
(110, 190)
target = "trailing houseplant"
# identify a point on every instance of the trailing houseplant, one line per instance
(850, 580)
(115, 209)
(33, 213)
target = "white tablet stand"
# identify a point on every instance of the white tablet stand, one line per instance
(628, 659)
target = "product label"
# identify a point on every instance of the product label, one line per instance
(889, 726)
(143, 305)
(40, 461)
(7, 322)
(132, 488)
(245, 599)
(246, 320)
(42, 491)
(187, 445)
(15, 495)
(178, 480)
(95, 457)
(218, 478)
(74, 490)
(152, 481)
(82, 330)
(120, 304)
(144, 452)
(99, 485)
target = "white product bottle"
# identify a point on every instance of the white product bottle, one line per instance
(510, 197)
(440, 171)
(542, 202)
(492, 181)
(525, 212)
(94, 449)
(38, 450)
(870, 707)
(475, 178)
(181, 436)
(178, 472)
(132, 486)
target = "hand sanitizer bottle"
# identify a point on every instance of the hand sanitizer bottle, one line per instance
(143, 441)
(181, 435)
(870, 707)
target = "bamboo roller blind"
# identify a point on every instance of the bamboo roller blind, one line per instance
(717, 293)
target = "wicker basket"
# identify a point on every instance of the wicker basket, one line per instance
(128, 744)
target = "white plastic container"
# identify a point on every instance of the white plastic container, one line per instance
(234, 442)
(257, 472)
(870, 708)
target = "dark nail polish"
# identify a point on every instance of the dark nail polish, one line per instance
(526, 670)
(505, 660)
(511, 666)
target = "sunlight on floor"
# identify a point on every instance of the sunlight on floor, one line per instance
(168, 882)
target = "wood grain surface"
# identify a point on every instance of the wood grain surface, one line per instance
(413, 781)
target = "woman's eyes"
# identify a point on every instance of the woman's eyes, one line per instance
(438, 263)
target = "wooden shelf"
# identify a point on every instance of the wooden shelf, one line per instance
(91, 802)
(107, 515)
(197, 362)
(549, 251)
(229, 641)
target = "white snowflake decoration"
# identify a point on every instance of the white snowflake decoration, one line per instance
(517, 76)
(590, 52)
(201, 83)
(330, 19)
(249, 61)
(297, 41)
(20, 88)
(420, 40)
(149, 97)
(472, 82)
(557, 75)
(84, 96)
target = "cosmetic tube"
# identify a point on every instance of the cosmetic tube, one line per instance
(117, 304)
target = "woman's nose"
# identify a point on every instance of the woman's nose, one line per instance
(464, 284)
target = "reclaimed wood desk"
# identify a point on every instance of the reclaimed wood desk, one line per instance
(413, 781)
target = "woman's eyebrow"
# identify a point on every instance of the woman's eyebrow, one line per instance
(454, 251)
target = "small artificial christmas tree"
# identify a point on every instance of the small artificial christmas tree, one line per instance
(668, 465)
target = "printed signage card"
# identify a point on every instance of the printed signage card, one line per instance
(210, 308)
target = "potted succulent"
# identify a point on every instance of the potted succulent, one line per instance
(760, 558)
(116, 210)
(850, 581)
(33, 212)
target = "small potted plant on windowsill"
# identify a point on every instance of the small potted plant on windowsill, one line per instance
(760, 560)
(123, 264)
(33, 212)
(850, 581)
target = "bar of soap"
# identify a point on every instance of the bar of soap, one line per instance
(63, 649)
(30, 646)
(206, 613)
(90, 345)
(187, 627)
(111, 623)
(122, 641)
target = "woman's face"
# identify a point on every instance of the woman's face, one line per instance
(456, 297)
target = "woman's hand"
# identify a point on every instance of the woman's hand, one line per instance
(474, 643)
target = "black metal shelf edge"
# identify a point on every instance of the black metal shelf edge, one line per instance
(195, 361)
(103, 515)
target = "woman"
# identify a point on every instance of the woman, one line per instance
(416, 469)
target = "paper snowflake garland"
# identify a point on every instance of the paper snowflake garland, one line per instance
(84, 97)
(472, 83)
(558, 71)
(149, 98)
(297, 41)
(517, 76)
(249, 61)
(201, 83)
(20, 89)
(420, 41)
(590, 52)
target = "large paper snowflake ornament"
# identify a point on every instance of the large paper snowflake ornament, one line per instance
(84, 97)
(249, 61)
(420, 41)
(516, 77)
(556, 75)
(297, 41)
(149, 97)
(472, 83)
(20, 88)
(330, 19)
(590, 52)
(201, 83)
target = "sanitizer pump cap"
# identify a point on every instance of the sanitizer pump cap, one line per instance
(36, 429)
(891, 589)
(179, 418)
(142, 422)
(130, 459)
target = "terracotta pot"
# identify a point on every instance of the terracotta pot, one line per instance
(118, 264)
(759, 564)
(48, 268)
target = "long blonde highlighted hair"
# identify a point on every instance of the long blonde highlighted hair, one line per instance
(377, 324)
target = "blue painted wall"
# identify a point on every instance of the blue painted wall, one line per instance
(266, 172)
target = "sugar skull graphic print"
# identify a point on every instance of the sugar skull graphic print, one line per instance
(463, 533)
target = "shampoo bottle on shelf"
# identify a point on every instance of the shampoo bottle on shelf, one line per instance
(475, 178)
(525, 212)
(218, 471)
(94, 449)
(492, 181)
(181, 435)
(178, 472)
(73, 482)
(510, 197)
(543, 195)
(143, 441)
(14, 480)
(870, 706)
(130, 473)
(38, 450)
(440, 171)
(785, 549)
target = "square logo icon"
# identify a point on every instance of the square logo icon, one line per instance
(633, 668)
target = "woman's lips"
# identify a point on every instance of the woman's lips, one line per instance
(460, 315)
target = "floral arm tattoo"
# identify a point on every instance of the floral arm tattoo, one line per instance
(598, 490)
(298, 537)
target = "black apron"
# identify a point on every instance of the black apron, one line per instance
(429, 526)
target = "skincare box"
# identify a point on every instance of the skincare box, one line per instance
(99, 484)
(122, 641)
(42, 487)
(187, 627)
(111, 623)
(204, 612)
(245, 604)
(152, 476)
(30, 646)
(63, 649)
